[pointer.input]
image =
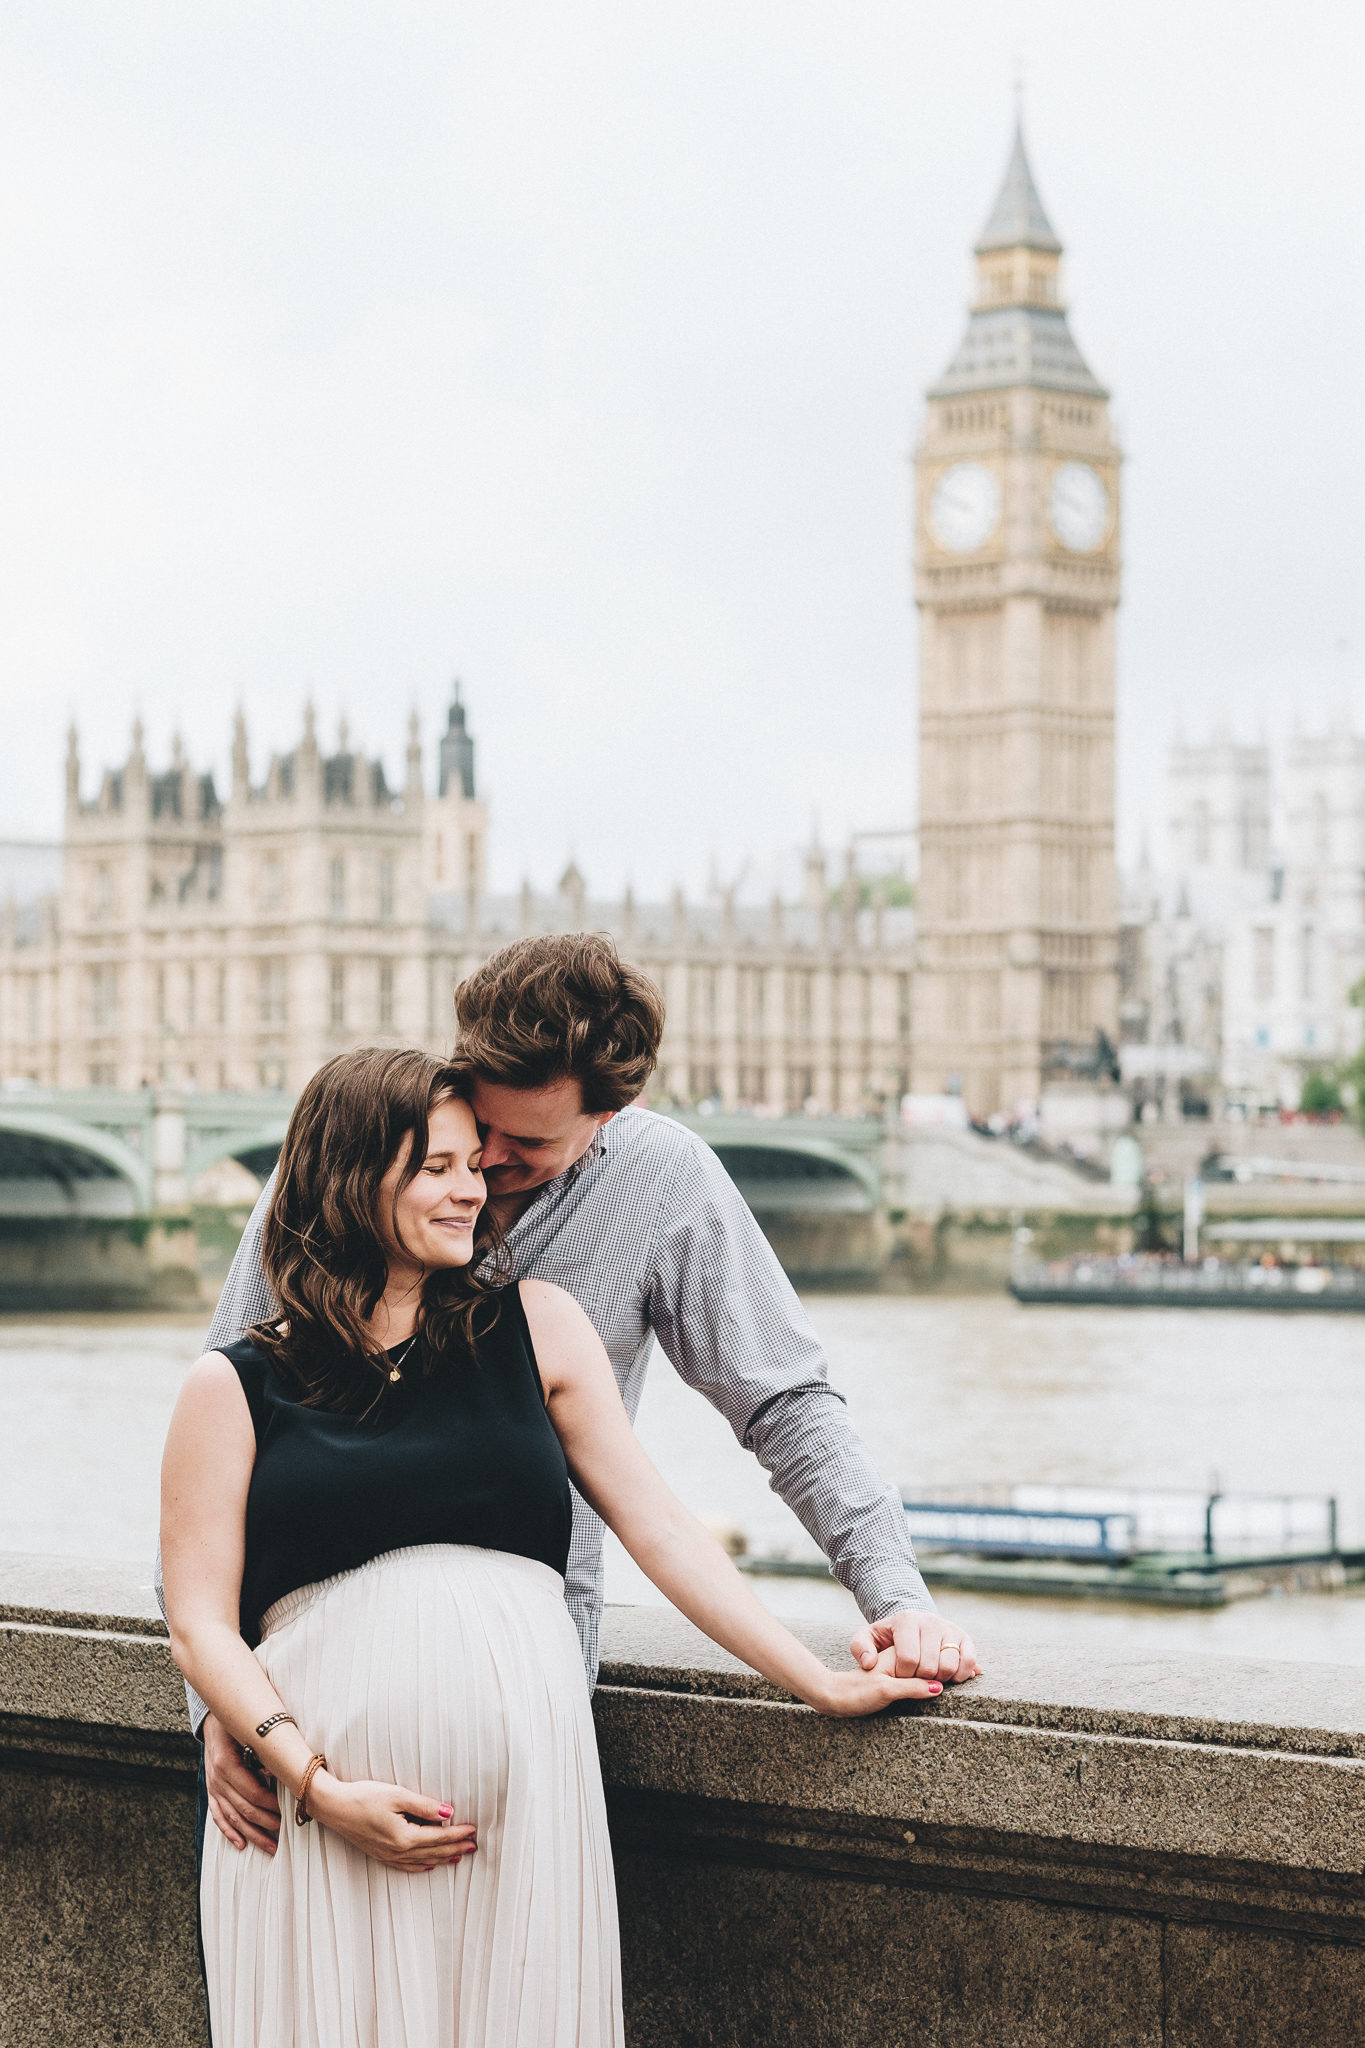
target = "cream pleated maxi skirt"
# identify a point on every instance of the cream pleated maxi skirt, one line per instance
(457, 1673)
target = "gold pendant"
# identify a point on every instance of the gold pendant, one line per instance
(394, 1374)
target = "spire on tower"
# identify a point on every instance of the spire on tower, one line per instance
(817, 883)
(1017, 219)
(241, 766)
(414, 781)
(573, 895)
(456, 754)
(1018, 332)
(73, 768)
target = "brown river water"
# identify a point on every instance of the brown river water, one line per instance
(948, 1392)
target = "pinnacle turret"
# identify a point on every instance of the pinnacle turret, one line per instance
(413, 785)
(455, 757)
(241, 760)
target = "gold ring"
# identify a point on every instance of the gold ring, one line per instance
(956, 1648)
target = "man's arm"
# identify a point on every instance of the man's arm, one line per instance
(246, 1297)
(730, 1321)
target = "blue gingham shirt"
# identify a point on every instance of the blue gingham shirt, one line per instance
(651, 1237)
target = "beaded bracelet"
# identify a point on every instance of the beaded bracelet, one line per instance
(275, 1721)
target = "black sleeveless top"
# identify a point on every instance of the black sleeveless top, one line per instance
(462, 1454)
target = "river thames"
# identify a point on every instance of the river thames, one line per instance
(948, 1392)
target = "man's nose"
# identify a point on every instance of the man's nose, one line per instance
(496, 1150)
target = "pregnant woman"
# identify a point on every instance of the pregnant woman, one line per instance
(365, 1522)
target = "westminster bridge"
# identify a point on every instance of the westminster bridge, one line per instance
(98, 1187)
(102, 1202)
(125, 1152)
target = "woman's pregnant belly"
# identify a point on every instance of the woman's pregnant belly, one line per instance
(426, 1668)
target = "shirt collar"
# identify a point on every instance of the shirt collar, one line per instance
(596, 1151)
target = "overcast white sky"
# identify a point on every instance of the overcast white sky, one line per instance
(579, 350)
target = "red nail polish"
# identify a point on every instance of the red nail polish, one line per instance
(445, 1811)
(935, 1686)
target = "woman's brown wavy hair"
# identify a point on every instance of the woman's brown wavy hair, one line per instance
(321, 1248)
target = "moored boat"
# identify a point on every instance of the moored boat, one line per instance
(1138, 1280)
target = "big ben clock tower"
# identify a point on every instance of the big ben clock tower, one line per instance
(1017, 581)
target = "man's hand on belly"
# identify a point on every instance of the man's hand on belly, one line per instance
(243, 1809)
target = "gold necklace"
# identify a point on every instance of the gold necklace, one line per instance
(394, 1374)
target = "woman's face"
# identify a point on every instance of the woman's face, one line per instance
(436, 1211)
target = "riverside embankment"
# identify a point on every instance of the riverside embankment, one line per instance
(117, 1200)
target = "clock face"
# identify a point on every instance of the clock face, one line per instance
(965, 508)
(1079, 507)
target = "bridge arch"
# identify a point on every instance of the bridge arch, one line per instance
(786, 1165)
(786, 1177)
(257, 1146)
(54, 1165)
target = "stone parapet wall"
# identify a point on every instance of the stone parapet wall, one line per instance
(1125, 1855)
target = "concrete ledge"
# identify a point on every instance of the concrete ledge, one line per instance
(1319, 1710)
(1132, 1853)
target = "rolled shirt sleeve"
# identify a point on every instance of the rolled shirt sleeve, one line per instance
(730, 1321)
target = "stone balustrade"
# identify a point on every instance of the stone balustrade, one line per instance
(1123, 1855)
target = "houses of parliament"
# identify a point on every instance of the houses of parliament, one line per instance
(236, 938)
(237, 941)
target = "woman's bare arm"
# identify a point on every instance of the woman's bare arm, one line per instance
(205, 1473)
(615, 1475)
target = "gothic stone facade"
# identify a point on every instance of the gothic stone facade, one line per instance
(1246, 943)
(238, 942)
(1017, 580)
(234, 942)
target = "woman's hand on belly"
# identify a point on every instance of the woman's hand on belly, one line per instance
(389, 1823)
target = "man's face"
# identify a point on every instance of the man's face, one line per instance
(531, 1134)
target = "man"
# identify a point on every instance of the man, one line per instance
(636, 1218)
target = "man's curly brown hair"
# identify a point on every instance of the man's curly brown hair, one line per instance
(561, 1006)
